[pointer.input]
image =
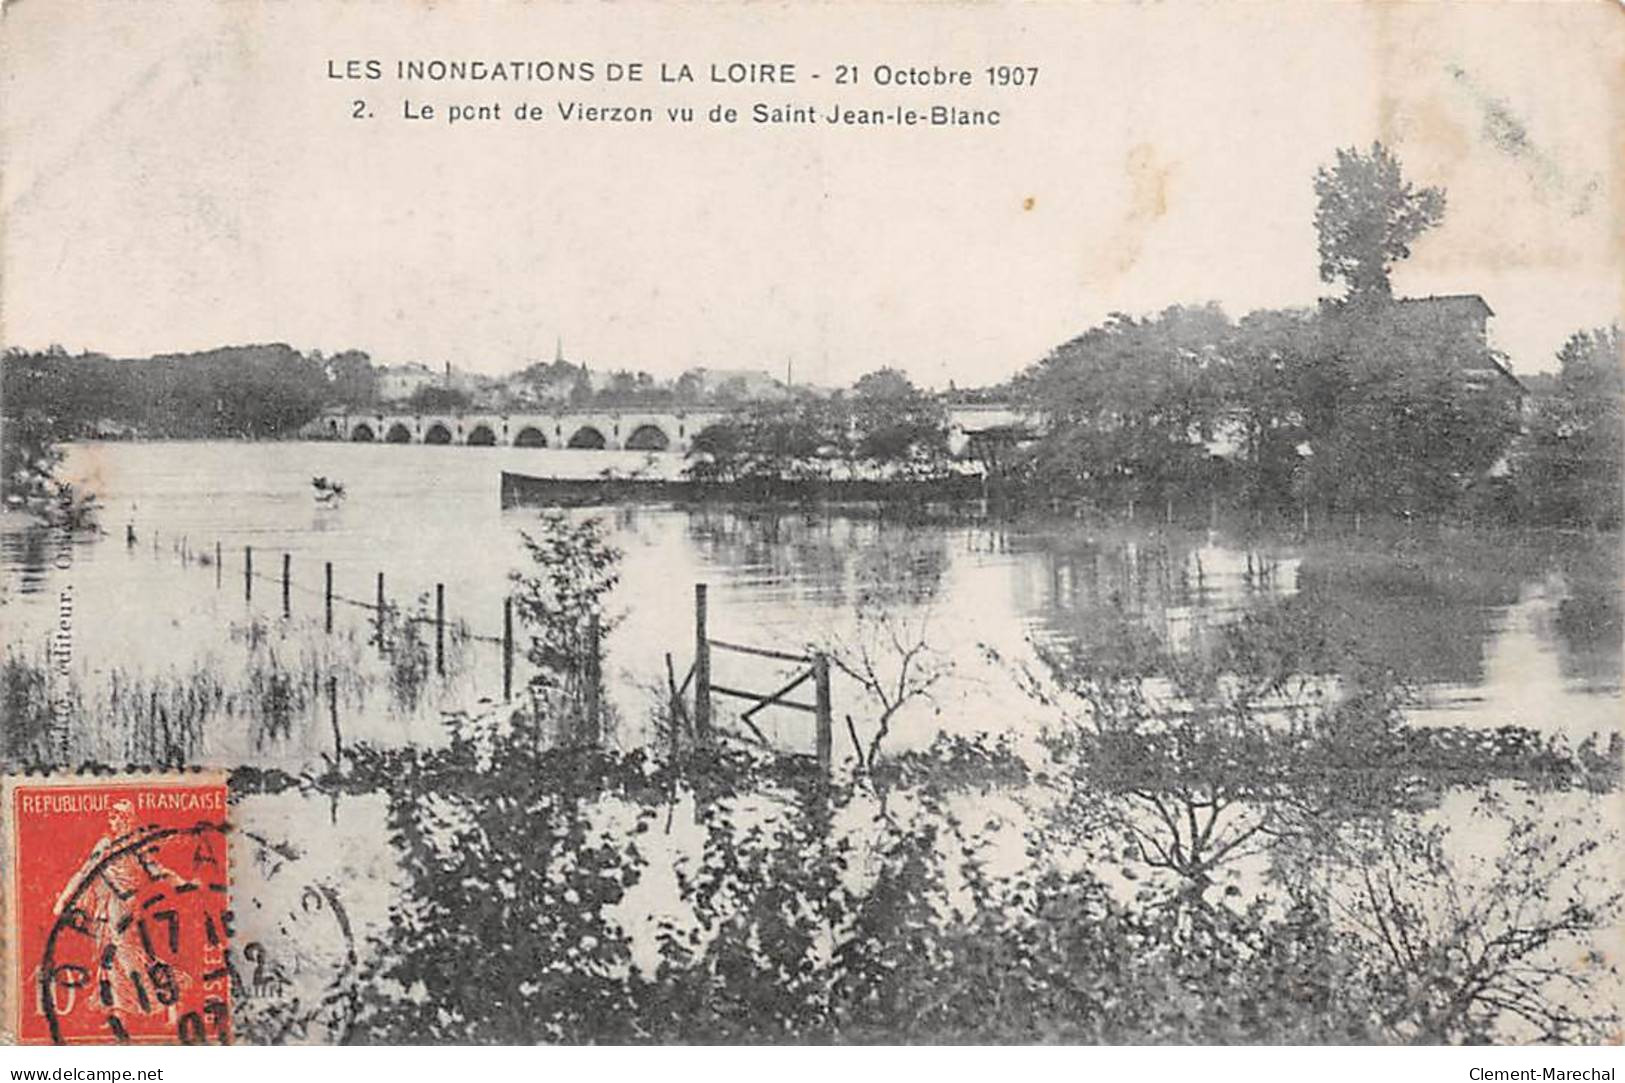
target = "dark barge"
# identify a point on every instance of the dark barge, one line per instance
(525, 490)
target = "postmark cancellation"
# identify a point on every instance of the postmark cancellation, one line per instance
(118, 915)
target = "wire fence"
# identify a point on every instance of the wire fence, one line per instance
(379, 605)
(816, 672)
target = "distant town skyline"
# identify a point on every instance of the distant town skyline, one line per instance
(209, 187)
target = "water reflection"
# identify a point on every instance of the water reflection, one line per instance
(829, 560)
(24, 553)
(1426, 615)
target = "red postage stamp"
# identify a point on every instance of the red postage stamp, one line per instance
(118, 910)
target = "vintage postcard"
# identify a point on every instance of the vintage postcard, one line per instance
(812, 523)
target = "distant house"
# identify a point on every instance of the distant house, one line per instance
(737, 385)
(517, 390)
(1463, 315)
(397, 383)
(1467, 315)
(484, 392)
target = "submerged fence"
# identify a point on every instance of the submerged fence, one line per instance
(813, 668)
(379, 605)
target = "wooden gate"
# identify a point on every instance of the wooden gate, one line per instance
(699, 676)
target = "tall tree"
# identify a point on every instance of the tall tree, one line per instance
(1367, 215)
(1272, 374)
(884, 383)
(896, 424)
(1130, 404)
(771, 442)
(353, 380)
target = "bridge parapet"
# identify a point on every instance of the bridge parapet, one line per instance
(637, 430)
(594, 429)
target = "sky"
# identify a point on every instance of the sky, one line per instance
(179, 176)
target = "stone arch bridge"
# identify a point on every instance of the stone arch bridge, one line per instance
(592, 430)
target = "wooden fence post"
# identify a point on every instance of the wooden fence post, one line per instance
(333, 716)
(507, 649)
(702, 668)
(328, 592)
(677, 712)
(248, 573)
(825, 733)
(440, 629)
(287, 582)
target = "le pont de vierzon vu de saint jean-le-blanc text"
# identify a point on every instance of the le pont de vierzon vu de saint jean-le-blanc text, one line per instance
(852, 76)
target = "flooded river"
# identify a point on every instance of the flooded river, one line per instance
(1490, 630)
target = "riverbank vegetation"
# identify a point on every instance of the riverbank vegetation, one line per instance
(1211, 847)
(29, 482)
(885, 428)
(272, 690)
(1228, 854)
(1246, 841)
(805, 913)
(233, 392)
(1339, 413)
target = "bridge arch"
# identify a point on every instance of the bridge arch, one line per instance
(648, 437)
(398, 434)
(437, 434)
(588, 437)
(530, 436)
(482, 436)
(362, 433)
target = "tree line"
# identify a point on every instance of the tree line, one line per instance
(1345, 410)
(1361, 404)
(271, 390)
(253, 392)
(883, 424)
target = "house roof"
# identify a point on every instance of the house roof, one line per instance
(1470, 303)
(1450, 300)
